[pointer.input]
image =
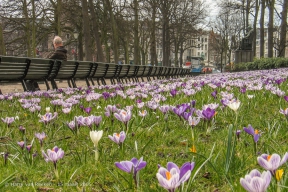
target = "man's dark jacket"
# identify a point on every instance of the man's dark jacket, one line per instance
(60, 54)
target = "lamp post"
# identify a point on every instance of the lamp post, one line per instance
(76, 37)
(109, 44)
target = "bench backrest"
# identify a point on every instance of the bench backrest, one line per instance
(13, 68)
(39, 69)
(84, 69)
(63, 70)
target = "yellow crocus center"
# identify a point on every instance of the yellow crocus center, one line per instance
(256, 131)
(117, 135)
(143, 112)
(279, 174)
(268, 157)
(168, 175)
(193, 149)
(124, 113)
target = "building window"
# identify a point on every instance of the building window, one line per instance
(198, 53)
(205, 39)
(206, 47)
(198, 38)
(198, 46)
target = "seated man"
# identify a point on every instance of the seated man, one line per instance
(60, 53)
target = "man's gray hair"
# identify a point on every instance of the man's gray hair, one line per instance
(57, 40)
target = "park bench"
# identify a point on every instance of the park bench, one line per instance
(131, 75)
(83, 71)
(122, 72)
(112, 72)
(99, 73)
(22, 69)
(14, 69)
(63, 70)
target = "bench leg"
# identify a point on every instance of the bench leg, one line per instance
(24, 85)
(47, 84)
(87, 82)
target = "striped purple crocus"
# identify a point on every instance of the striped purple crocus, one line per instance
(118, 138)
(255, 133)
(172, 177)
(48, 117)
(256, 181)
(53, 155)
(272, 162)
(8, 120)
(123, 116)
(40, 137)
(133, 166)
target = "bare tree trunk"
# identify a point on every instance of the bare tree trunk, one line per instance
(283, 29)
(114, 32)
(271, 4)
(247, 12)
(2, 45)
(255, 27)
(136, 34)
(58, 17)
(95, 26)
(153, 51)
(262, 43)
(86, 32)
(27, 29)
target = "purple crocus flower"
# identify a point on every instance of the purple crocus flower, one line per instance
(87, 110)
(214, 94)
(208, 113)
(243, 90)
(272, 162)
(21, 144)
(164, 108)
(118, 137)
(106, 95)
(193, 103)
(40, 137)
(22, 129)
(286, 98)
(172, 177)
(173, 92)
(53, 155)
(255, 133)
(238, 134)
(133, 167)
(193, 121)
(123, 116)
(255, 181)
(48, 117)
(28, 147)
(8, 120)
(284, 112)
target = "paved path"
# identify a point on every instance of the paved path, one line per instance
(17, 87)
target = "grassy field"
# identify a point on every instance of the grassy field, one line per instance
(159, 123)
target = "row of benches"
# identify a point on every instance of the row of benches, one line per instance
(22, 69)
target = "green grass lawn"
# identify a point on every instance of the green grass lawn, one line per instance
(221, 158)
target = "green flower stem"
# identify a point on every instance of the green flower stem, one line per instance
(96, 154)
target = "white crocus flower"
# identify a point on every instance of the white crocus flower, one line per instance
(234, 105)
(47, 109)
(95, 137)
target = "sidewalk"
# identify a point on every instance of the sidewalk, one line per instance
(17, 87)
